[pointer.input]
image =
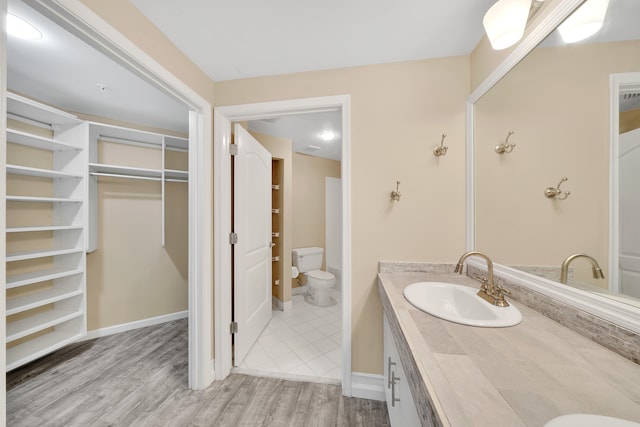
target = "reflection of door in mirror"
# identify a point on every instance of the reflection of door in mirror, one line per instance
(629, 196)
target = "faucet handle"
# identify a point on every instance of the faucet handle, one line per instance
(484, 280)
(498, 295)
(503, 290)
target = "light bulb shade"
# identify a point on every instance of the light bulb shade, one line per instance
(20, 28)
(505, 21)
(584, 22)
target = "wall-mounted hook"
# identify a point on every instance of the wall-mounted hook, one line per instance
(441, 150)
(556, 193)
(505, 147)
(395, 194)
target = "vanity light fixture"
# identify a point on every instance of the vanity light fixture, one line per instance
(505, 21)
(18, 27)
(327, 135)
(584, 22)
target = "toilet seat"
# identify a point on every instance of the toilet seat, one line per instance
(321, 275)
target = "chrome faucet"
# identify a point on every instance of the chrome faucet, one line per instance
(488, 291)
(597, 271)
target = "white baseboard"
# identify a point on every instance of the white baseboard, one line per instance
(367, 386)
(124, 327)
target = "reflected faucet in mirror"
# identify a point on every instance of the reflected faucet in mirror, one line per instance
(595, 267)
(488, 291)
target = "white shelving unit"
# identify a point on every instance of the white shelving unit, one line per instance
(46, 298)
(100, 132)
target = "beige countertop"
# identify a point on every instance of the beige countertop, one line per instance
(523, 375)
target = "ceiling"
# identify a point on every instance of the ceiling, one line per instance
(304, 131)
(249, 38)
(61, 70)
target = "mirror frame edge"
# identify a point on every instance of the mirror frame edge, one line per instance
(616, 312)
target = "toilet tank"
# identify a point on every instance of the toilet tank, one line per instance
(307, 259)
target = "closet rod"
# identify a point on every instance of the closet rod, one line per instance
(181, 150)
(176, 180)
(115, 175)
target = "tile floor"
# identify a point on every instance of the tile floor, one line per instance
(303, 343)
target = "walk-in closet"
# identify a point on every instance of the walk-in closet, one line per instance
(97, 196)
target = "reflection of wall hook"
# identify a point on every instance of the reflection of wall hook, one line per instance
(395, 194)
(441, 150)
(556, 193)
(505, 147)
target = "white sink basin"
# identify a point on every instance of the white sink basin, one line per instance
(588, 420)
(460, 304)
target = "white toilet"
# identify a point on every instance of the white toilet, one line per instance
(309, 262)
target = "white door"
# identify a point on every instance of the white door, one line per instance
(629, 205)
(252, 252)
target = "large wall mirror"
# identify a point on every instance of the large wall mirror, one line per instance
(556, 103)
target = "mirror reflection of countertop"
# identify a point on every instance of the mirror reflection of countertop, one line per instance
(523, 375)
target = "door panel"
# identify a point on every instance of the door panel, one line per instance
(252, 252)
(629, 258)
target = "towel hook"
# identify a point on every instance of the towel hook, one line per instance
(505, 147)
(556, 193)
(441, 150)
(395, 194)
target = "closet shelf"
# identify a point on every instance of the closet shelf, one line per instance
(38, 299)
(42, 199)
(38, 322)
(41, 173)
(124, 171)
(53, 315)
(23, 138)
(44, 228)
(41, 276)
(38, 347)
(21, 256)
(19, 106)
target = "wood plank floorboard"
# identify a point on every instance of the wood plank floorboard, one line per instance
(139, 378)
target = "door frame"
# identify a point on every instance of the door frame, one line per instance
(77, 18)
(616, 83)
(223, 117)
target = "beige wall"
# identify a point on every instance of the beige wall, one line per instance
(557, 103)
(280, 148)
(131, 276)
(398, 112)
(309, 200)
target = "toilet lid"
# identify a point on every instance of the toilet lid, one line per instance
(321, 275)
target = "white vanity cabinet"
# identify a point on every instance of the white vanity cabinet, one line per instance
(400, 404)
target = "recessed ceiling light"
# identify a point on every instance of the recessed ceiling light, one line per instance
(20, 28)
(327, 135)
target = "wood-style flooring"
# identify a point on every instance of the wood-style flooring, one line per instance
(139, 378)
